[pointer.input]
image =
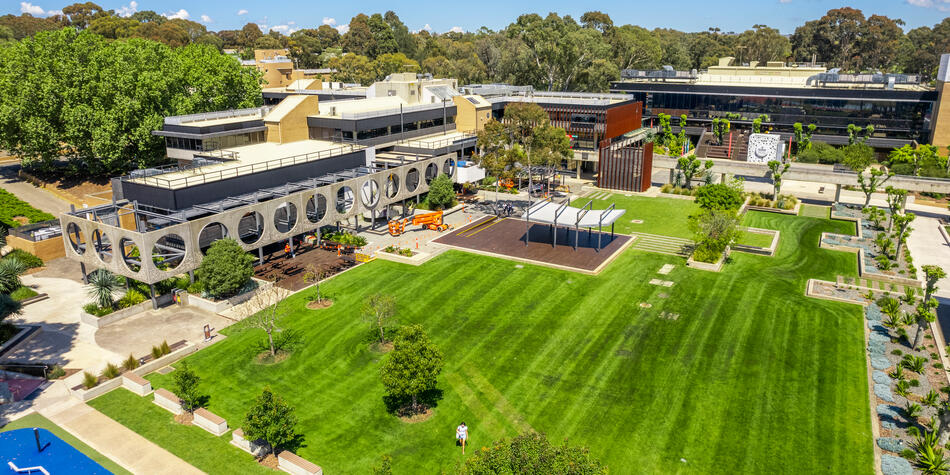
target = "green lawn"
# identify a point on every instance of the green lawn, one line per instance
(755, 239)
(666, 216)
(194, 445)
(36, 420)
(752, 377)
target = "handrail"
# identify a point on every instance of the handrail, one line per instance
(395, 110)
(225, 114)
(438, 144)
(240, 170)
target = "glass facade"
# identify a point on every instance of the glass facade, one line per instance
(893, 119)
(348, 136)
(214, 143)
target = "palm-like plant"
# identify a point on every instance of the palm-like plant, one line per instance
(898, 373)
(901, 388)
(930, 458)
(10, 270)
(931, 399)
(102, 287)
(912, 410)
(914, 363)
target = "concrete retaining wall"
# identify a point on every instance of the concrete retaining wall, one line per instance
(105, 320)
(168, 401)
(714, 267)
(292, 463)
(210, 422)
(222, 305)
(136, 383)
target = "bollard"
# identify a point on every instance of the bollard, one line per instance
(417, 243)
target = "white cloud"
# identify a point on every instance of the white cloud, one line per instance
(941, 5)
(329, 21)
(784, 1)
(456, 29)
(127, 10)
(35, 10)
(428, 27)
(205, 19)
(285, 29)
(343, 28)
(242, 12)
(180, 14)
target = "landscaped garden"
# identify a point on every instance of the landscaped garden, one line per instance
(724, 372)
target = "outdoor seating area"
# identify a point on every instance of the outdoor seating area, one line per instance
(288, 271)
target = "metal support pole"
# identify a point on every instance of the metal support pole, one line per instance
(290, 242)
(373, 214)
(152, 295)
(260, 255)
(82, 268)
(576, 237)
(554, 233)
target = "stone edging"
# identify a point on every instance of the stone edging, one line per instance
(763, 251)
(714, 267)
(809, 292)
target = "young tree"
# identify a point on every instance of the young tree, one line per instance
(529, 128)
(272, 420)
(532, 453)
(932, 274)
(380, 309)
(102, 287)
(902, 224)
(11, 269)
(776, 170)
(693, 168)
(925, 315)
(412, 366)
(916, 157)
(441, 194)
(186, 386)
(494, 152)
(313, 274)
(720, 127)
(896, 199)
(226, 268)
(857, 156)
(714, 230)
(264, 311)
(875, 178)
(802, 137)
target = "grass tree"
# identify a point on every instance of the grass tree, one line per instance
(380, 309)
(776, 170)
(412, 366)
(692, 168)
(11, 269)
(186, 386)
(272, 420)
(870, 182)
(902, 229)
(102, 287)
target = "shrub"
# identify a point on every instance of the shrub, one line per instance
(914, 383)
(156, 352)
(26, 258)
(719, 197)
(821, 152)
(165, 348)
(914, 363)
(130, 363)
(897, 352)
(898, 373)
(89, 380)
(131, 298)
(901, 388)
(912, 410)
(225, 269)
(667, 188)
(909, 454)
(196, 288)
(93, 309)
(56, 372)
(111, 371)
(11, 207)
(931, 399)
(857, 156)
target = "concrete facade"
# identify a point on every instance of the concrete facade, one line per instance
(358, 194)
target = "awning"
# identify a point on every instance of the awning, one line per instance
(548, 212)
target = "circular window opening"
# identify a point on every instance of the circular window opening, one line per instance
(76, 240)
(392, 185)
(102, 245)
(168, 252)
(412, 180)
(285, 217)
(369, 193)
(432, 171)
(130, 254)
(251, 227)
(448, 167)
(316, 208)
(209, 234)
(344, 199)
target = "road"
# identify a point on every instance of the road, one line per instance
(37, 197)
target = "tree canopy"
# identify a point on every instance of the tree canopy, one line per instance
(225, 269)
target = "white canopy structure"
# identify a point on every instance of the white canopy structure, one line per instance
(555, 214)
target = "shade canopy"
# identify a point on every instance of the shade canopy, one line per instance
(548, 212)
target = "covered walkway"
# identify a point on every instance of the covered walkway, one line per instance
(555, 215)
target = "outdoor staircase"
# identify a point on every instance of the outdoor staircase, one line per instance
(662, 244)
(709, 148)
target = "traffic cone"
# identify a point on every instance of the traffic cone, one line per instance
(417, 243)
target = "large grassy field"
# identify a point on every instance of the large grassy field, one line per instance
(36, 420)
(751, 377)
(666, 216)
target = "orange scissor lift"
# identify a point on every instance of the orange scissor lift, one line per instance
(431, 221)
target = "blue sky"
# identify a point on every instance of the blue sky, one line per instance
(441, 16)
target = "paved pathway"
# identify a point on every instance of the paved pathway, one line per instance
(111, 439)
(928, 246)
(38, 197)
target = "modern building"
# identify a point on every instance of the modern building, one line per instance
(900, 107)
(270, 175)
(277, 69)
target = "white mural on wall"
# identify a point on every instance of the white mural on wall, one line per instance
(764, 148)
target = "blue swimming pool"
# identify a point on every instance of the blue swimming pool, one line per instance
(57, 457)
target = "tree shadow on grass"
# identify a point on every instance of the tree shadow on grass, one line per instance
(400, 406)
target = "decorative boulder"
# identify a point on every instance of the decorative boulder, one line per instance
(880, 377)
(891, 465)
(891, 444)
(883, 391)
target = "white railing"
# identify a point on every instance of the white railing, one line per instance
(387, 112)
(227, 114)
(27, 469)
